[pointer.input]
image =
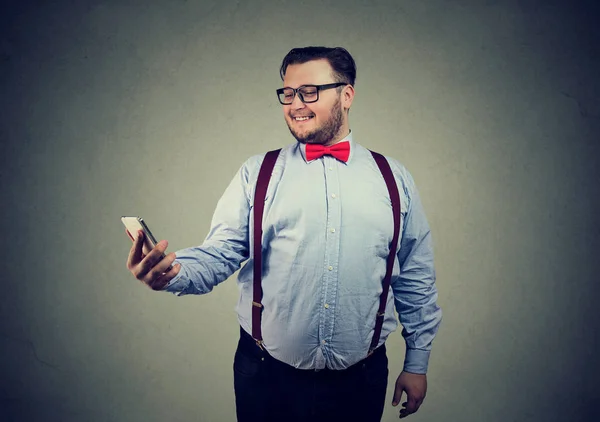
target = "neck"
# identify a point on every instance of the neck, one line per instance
(337, 139)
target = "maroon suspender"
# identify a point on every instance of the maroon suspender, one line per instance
(388, 176)
(262, 183)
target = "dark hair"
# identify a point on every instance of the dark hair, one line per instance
(344, 68)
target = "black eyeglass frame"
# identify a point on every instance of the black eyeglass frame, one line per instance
(297, 91)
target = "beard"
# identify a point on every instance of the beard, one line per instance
(327, 131)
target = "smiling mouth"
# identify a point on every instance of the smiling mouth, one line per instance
(302, 118)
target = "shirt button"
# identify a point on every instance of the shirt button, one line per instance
(330, 168)
(332, 230)
(327, 305)
(330, 268)
(324, 342)
(333, 195)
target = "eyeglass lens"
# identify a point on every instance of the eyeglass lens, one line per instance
(307, 94)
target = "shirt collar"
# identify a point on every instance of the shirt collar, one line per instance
(348, 138)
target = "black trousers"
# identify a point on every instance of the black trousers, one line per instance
(268, 390)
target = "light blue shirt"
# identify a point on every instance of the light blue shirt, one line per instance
(327, 227)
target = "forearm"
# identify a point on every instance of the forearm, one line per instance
(420, 325)
(202, 268)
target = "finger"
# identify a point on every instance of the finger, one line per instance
(404, 412)
(161, 282)
(397, 396)
(163, 266)
(410, 406)
(135, 253)
(153, 257)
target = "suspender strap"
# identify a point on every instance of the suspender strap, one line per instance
(388, 176)
(260, 193)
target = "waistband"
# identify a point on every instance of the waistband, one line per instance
(247, 338)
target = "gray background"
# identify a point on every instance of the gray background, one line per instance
(148, 108)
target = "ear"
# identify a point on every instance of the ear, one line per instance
(347, 96)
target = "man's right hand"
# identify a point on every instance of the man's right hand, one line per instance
(150, 269)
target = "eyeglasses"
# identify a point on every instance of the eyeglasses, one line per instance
(306, 93)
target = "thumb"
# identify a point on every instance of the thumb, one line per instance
(397, 396)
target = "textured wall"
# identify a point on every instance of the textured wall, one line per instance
(148, 108)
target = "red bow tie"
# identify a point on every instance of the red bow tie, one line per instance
(341, 151)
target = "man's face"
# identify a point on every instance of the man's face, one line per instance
(326, 120)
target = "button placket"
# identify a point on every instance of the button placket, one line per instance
(331, 252)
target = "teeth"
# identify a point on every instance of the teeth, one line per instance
(302, 118)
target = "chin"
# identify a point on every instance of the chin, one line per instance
(303, 139)
(303, 136)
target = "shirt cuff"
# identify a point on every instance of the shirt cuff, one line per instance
(416, 361)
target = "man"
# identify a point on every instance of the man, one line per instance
(327, 228)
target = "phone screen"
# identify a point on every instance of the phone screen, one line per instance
(135, 224)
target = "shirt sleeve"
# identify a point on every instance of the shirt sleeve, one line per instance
(225, 247)
(415, 293)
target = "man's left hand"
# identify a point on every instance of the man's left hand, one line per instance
(415, 386)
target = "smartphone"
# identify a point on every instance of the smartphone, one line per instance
(133, 225)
